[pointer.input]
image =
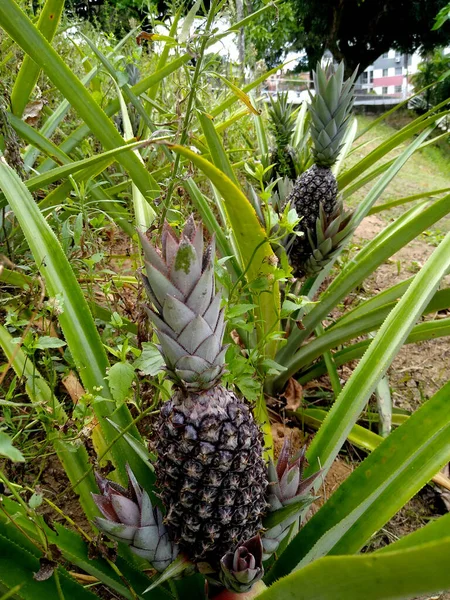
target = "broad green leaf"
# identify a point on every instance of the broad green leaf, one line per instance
(401, 201)
(20, 28)
(29, 71)
(120, 378)
(8, 450)
(39, 181)
(218, 154)
(240, 94)
(408, 573)
(188, 21)
(359, 436)
(36, 139)
(348, 329)
(76, 550)
(434, 531)
(247, 88)
(276, 517)
(46, 341)
(392, 142)
(57, 116)
(15, 278)
(150, 362)
(428, 330)
(252, 242)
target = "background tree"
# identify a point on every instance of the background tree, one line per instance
(354, 31)
(434, 68)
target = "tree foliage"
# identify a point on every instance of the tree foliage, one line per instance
(434, 69)
(354, 31)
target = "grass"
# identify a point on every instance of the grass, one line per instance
(426, 170)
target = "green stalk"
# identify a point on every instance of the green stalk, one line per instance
(190, 104)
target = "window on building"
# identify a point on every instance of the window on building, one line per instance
(384, 90)
(385, 55)
(398, 89)
(398, 70)
(371, 76)
(365, 77)
(385, 72)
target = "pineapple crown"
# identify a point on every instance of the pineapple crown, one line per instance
(282, 120)
(179, 280)
(330, 110)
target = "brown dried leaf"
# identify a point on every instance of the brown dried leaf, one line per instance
(73, 387)
(33, 111)
(444, 479)
(293, 394)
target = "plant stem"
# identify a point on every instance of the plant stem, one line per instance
(190, 103)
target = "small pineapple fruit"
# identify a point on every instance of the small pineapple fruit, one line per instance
(282, 124)
(287, 488)
(210, 471)
(315, 194)
(130, 518)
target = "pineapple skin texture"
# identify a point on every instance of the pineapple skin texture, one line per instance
(316, 186)
(210, 472)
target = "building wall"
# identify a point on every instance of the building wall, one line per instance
(389, 74)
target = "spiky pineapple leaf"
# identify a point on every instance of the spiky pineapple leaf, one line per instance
(397, 469)
(278, 516)
(422, 569)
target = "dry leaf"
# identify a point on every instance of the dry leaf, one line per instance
(293, 394)
(444, 491)
(46, 569)
(73, 387)
(33, 111)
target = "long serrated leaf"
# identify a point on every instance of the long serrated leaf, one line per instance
(377, 489)
(75, 318)
(391, 239)
(20, 559)
(54, 120)
(29, 71)
(189, 21)
(20, 28)
(377, 359)
(410, 573)
(428, 330)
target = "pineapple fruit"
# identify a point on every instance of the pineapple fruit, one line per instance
(282, 124)
(210, 471)
(315, 193)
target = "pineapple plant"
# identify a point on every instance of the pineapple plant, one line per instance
(324, 223)
(282, 124)
(210, 472)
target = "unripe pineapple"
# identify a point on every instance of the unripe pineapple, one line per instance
(210, 472)
(315, 193)
(282, 125)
